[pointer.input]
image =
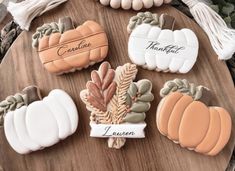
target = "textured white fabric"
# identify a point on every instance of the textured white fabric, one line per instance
(25, 11)
(221, 37)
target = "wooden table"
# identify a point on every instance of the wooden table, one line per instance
(22, 67)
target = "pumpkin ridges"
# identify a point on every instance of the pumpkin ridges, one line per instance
(11, 135)
(51, 67)
(43, 43)
(198, 126)
(213, 133)
(54, 39)
(194, 124)
(176, 116)
(62, 65)
(164, 116)
(90, 32)
(158, 114)
(226, 125)
(93, 26)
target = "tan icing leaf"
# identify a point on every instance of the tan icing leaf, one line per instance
(118, 102)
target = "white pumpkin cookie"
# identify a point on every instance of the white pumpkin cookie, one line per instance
(41, 123)
(21, 130)
(11, 135)
(154, 46)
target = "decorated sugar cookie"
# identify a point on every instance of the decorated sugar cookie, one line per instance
(133, 4)
(63, 49)
(41, 123)
(25, 97)
(191, 123)
(154, 46)
(200, 92)
(118, 105)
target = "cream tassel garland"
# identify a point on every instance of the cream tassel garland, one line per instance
(221, 37)
(25, 11)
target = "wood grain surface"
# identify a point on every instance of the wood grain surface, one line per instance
(22, 67)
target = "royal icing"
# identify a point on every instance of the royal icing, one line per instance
(42, 123)
(193, 124)
(75, 49)
(159, 49)
(118, 105)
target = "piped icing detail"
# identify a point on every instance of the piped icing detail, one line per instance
(193, 124)
(63, 51)
(158, 47)
(114, 100)
(200, 92)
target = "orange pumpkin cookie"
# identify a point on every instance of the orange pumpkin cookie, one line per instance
(192, 124)
(62, 52)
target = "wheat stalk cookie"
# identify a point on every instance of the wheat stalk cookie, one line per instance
(118, 105)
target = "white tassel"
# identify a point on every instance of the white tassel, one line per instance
(221, 37)
(25, 11)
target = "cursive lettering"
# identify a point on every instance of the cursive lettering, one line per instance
(109, 133)
(62, 50)
(154, 45)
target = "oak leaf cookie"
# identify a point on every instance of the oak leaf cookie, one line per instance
(63, 49)
(118, 105)
(133, 4)
(153, 45)
(42, 123)
(193, 124)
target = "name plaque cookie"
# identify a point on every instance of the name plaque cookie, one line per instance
(121, 130)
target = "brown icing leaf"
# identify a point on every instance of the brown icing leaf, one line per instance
(108, 94)
(96, 103)
(96, 79)
(102, 87)
(104, 69)
(94, 90)
(108, 78)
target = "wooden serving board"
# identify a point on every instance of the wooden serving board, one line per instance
(22, 67)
